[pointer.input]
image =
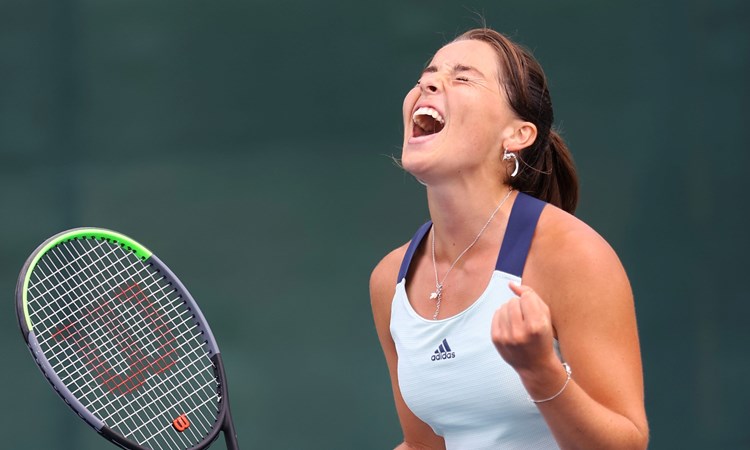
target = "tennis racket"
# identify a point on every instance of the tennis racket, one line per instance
(123, 343)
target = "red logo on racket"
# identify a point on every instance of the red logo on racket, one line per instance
(122, 322)
(181, 423)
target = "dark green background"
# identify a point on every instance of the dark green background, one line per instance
(248, 144)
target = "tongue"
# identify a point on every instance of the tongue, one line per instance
(426, 125)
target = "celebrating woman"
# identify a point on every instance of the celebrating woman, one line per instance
(506, 322)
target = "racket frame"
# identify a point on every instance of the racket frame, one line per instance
(223, 421)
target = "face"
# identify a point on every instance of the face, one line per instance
(457, 116)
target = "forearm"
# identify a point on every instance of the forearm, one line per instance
(415, 446)
(580, 422)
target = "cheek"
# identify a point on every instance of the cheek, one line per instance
(481, 130)
(488, 120)
(409, 101)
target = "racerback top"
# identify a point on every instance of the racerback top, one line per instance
(449, 372)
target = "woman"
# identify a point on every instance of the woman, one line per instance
(478, 358)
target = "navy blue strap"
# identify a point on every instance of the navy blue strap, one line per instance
(517, 241)
(415, 241)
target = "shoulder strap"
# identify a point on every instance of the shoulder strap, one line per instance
(413, 245)
(517, 241)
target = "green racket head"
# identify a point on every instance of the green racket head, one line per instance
(122, 341)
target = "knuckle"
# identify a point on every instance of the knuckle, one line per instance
(539, 325)
(518, 339)
(536, 330)
(497, 335)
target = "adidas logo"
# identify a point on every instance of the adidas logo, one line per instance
(443, 352)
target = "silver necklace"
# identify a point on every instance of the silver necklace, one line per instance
(438, 294)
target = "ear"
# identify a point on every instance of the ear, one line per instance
(523, 136)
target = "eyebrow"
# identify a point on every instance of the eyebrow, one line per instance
(456, 69)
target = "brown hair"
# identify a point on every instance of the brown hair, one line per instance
(546, 167)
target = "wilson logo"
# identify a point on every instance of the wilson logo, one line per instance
(181, 423)
(443, 352)
(124, 330)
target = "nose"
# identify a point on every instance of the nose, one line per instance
(430, 84)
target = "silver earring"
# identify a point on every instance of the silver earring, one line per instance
(508, 155)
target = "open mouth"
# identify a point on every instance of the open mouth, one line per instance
(426, 121)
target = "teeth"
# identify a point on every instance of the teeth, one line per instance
(427, 111)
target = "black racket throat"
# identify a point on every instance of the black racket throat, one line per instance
(123, 342)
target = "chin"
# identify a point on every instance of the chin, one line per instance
(411, 162)
(419, 164)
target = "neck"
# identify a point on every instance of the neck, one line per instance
(458, 215)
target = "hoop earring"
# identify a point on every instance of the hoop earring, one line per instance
(511, 155)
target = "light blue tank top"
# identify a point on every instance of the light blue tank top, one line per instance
(449, 372)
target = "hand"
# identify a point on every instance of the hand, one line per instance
(522, 331)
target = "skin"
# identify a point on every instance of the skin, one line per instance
(575, 289)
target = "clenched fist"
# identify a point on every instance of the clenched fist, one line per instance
(522, 331)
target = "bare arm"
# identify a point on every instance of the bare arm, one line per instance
(417, 434)
(578, 289)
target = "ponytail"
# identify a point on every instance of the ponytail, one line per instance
(548, 173)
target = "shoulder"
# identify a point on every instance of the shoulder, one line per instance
(383, 278)
(383, 288)
(565, 239)
(567, 254)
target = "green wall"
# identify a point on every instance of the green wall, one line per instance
(248, 144)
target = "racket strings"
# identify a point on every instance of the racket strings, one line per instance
(210, 382)
(64, 266)
(108, 323)
(88, 312)
(102, 407)
(74, 282)
(207, 379)
(83, 288)
(45, 286)
(152, 399)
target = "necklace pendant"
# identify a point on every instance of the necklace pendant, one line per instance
(433, 296)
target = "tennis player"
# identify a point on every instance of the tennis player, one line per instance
(506, 322)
